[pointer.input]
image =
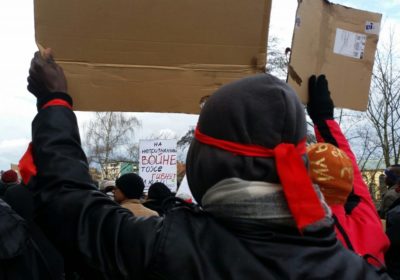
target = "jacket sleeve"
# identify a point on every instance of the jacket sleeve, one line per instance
(387, 200)
(393, 225)
(358, 217)
(84, 223)
(329, 131)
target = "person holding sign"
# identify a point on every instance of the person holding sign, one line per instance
(261, 217)
(357, 223)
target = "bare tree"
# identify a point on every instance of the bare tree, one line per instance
(133, 153)
(183, 144)
(383, 110)
(163, 134)
(277, 58)
(186, 139)
(109, 140)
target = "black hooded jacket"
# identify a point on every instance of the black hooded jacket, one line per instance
(185, 244)
(25, 253)
(392, 256)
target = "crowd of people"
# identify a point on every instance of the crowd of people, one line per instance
(268, 206)
(128, 191)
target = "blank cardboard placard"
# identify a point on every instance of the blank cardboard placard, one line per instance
(153, 55)
(339, 42)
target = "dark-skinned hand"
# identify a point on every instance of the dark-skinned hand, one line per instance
(45, 75)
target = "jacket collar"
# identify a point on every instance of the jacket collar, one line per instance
(131, 201)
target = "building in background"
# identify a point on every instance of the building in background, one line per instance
(116, 169)
(374, 176)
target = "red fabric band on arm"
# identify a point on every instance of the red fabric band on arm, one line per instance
(57, 102)
(26, 165)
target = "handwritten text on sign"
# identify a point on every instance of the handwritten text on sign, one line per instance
(157, 162)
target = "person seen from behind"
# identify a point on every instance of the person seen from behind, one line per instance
(8, 178)
(128, 192)
(156, 197)
(25, 253)
(261, 217)
(357, 223)
(392, 181)
(392, 256)
(390, 211)
(108, 187)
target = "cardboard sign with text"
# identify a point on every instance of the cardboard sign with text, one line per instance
(339, 42)
(157, 162)
(153, 55)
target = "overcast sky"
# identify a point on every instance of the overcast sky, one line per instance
(17, 45)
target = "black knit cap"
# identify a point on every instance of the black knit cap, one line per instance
(131, 185)
(159, 191)
(261, 110)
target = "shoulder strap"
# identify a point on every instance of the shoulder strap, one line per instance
(343, 232)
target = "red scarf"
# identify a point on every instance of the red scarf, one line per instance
(301, 197)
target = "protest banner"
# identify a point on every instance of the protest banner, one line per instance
(157, 162)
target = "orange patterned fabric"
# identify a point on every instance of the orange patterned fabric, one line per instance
(332, 170)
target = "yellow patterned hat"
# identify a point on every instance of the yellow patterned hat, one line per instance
(332, 170)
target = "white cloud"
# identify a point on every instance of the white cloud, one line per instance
(11, 151)
(282, 21)
(14, 143)
(153, 123)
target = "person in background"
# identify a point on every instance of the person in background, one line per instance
(47, 262)
(357, 223)
(392, 256)
(8, 178)
(25, 252)
(390, 211)
(156, 196)
(128, 192)
(108, 187)
(261, 217)
(392, 181)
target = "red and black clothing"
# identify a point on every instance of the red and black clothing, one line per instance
(185, 244)
(358, 225)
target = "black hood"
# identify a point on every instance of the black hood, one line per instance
(260, 110)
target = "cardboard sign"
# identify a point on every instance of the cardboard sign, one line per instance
(339, 42)
(157, 162)
(153, 55)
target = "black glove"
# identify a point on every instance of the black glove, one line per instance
(320, 105)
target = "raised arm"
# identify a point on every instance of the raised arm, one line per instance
(320, 109)
(84, 223)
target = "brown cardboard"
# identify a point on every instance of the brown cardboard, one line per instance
(152, 55)
(313, 51)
